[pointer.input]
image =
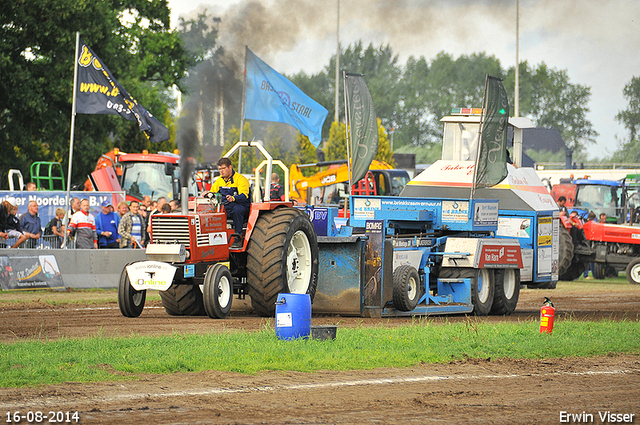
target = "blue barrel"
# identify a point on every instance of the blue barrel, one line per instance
(293, 316)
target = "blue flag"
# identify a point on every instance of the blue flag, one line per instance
(271, 97)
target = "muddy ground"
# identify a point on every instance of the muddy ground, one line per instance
(474, 391)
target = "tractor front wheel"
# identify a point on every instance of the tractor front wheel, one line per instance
(130, 301)
(633, 272)
(218, 291)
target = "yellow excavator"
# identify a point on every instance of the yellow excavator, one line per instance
(330, 186)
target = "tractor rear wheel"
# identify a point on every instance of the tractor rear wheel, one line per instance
(130, 301)
(565, 254)
(406, 288)
(507, 291)
(282, 257)
(482, 286)
(183, 300)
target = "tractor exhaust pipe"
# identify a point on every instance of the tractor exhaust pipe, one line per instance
(184, 199)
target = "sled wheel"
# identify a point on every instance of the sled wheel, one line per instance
(282, 257)
(218, 291)
(482, 286)
(130, 301)
(406, 288)
(183, 300)
(633, 272)
(507, 291)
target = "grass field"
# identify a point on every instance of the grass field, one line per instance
(99, 358)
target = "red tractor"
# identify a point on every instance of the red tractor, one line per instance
(190, 263)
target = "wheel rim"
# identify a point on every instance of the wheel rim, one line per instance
(635, 273)
(412, 288)
(136, 298)
(483, 286)
(299, 263)
(509, 283)
(224, 291)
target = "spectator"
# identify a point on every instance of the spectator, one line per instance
(277, 191)
(84, 226)
(75, 207)
(13, 228)
(30, 221)
(146, 201)
(55, 227)
(561, 201)
(31, 187)
(166, 209)
(603, 218)
(157, 210)
(131, 229)
(107, 227)
(4, 215)
(123, 208)
(175, 205)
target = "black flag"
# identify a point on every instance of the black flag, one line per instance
(492, 155)
(100, 93)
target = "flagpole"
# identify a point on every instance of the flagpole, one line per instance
(244, 94)
(73, 126)
(482, 114)
(347, 110)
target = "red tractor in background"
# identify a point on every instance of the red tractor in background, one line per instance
(146, 174)
(190, 263)
(610, 247)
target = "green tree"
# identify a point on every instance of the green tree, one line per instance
(336, 147)
(550, 100)
(630, 119)
(133, 39)
(384, 153)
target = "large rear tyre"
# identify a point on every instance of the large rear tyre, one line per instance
(507, 291)
(130, 301)
(482, 286)
(282, 257)
(406, 288)
(565, 254)
(183, 300)
(218, 291)
(575, 271)
(633, 272)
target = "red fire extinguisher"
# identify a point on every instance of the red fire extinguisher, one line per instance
(547, 314)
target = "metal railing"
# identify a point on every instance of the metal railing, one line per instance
(44, 242)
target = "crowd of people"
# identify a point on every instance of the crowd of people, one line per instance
(125, 225)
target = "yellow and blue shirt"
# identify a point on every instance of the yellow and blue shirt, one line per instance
(236, 185)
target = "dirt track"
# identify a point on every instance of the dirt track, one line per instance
(475, 391)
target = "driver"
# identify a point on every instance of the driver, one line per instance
(234, 191)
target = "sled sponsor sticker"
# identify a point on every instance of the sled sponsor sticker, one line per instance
(455, 211)
(151, 275)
